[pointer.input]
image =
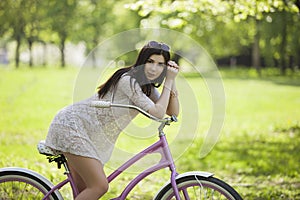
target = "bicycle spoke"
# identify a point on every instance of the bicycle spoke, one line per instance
(207, 189)
(185, 194)
(22, 184)
(19, 190)
(23, 190)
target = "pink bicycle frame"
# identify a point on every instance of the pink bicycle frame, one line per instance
(161, 147)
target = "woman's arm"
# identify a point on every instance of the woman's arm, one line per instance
(173, 107)
(160, 107)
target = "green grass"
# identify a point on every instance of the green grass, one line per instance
(257, 152)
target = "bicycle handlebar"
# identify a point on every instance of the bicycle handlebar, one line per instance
(106, 104)
(101, 104)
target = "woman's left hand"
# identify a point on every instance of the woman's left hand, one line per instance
(172, 69)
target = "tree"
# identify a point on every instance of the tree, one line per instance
(201, 19)
(15, 23)
(101, 19)
(34, 18)
(259, 10)
(3, 17)
(95, 20)
(62, 20)
(21, 21)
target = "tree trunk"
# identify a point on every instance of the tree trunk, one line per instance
(44, 54)
(62, 53)
(298, 58)
(297, 49)
(17, 53)
(256, 50)
(283, 44)
(30, 43)
(95, 43)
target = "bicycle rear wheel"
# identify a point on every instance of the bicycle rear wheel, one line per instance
(23, 184)
(193, 187)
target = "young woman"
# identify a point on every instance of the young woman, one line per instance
(86, 135)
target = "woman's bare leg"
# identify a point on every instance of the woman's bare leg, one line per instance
(77, 179)
(91, 173)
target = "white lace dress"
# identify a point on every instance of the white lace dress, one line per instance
(92, 132)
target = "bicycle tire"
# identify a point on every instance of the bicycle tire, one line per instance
(199, 187)
(23, 184)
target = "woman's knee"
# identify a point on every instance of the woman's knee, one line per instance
(101, 188)
(104, 186)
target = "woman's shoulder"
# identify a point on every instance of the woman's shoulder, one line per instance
(126, 79)
(128, 84)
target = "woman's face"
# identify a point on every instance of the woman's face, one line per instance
(154, 66)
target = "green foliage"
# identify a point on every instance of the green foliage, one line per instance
(258, 152)
(224, 28)
(232, 28)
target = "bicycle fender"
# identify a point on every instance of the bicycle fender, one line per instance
(191, 173)
(33, 173)
(197, 173)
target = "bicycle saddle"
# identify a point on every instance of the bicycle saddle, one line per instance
(45, 150)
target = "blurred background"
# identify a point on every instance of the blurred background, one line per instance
(259, 34)
(255, 45)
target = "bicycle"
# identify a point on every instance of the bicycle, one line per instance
(20, 183)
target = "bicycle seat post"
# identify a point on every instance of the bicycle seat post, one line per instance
(67, 170)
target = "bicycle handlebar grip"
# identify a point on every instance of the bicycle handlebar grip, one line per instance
(100, 104)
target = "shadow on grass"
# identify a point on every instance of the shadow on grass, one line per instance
(291, 81)
(291, 78)
(262, 166)
(242, 73)
(263, 154)
(275, 155)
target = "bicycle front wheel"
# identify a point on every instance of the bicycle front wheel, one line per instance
(23, 184)
(194, 187)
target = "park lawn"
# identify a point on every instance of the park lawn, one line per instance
(257, 152)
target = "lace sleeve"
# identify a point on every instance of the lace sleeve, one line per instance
(134, 92)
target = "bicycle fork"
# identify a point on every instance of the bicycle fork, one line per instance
(174, 185)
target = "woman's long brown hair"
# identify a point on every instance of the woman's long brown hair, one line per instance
(136, 71)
